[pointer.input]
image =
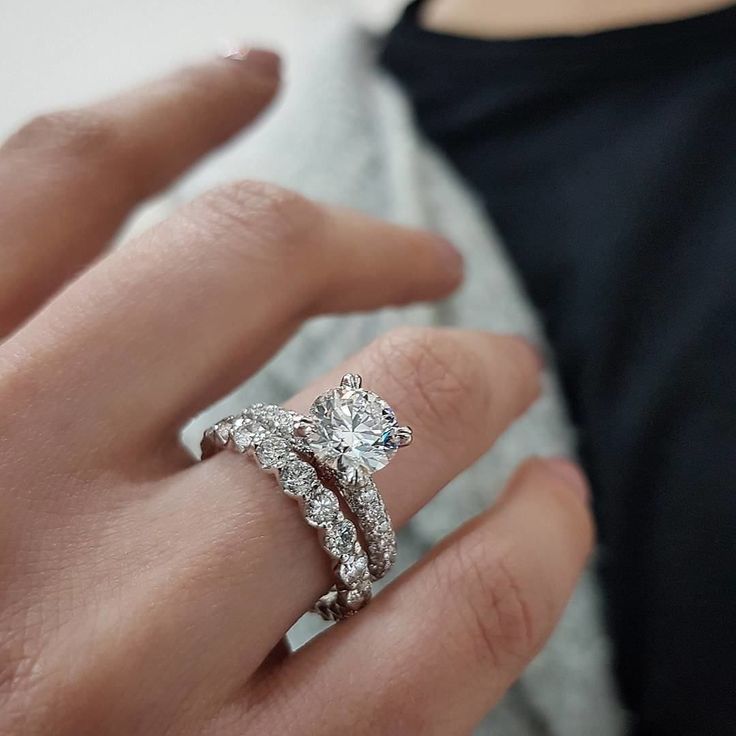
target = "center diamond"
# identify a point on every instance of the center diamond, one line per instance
(352, 431)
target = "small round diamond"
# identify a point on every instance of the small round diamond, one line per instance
(353, 569)
(369, 498)
(242, 438)
(341, 538)
(272, 452)
(298, 477)
(284, 422)
(245, 432)
(352, 431)
(322, 510)
(270, 415)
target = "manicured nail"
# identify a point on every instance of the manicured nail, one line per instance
(451, 257)
(262, 61)
(572, 474)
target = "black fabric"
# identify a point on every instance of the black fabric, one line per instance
(608, 163)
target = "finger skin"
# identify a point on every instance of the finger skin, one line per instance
(69, 179)
(436, 650)
(176, 318)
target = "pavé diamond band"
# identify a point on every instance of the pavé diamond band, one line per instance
(319, 505)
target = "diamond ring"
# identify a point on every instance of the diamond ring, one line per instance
(350, 433)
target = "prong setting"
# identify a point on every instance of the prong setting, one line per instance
(351, 380)
(352, 431)
(403, 436)
(302, 426)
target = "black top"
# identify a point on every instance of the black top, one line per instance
(608, 164)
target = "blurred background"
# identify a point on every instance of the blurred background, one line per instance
(62, 53)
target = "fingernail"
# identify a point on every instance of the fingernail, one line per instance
(262, 61)
(572, 474)
(451, 257)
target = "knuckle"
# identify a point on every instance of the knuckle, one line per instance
(83, 133)
(440, 378)
(270, 215)
(498, 612)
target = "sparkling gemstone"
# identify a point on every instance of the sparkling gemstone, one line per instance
(322, 509)
(353, 569)
(370, 499)
(245, 432)
(272, 452)
(341, 538)
(352, 431)
(284, 421)
(298, 477)
(242, 438)
(270, 415)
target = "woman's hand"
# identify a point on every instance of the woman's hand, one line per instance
(144, 594)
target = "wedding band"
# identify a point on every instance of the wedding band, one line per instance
(348, 434)
(320, 506)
